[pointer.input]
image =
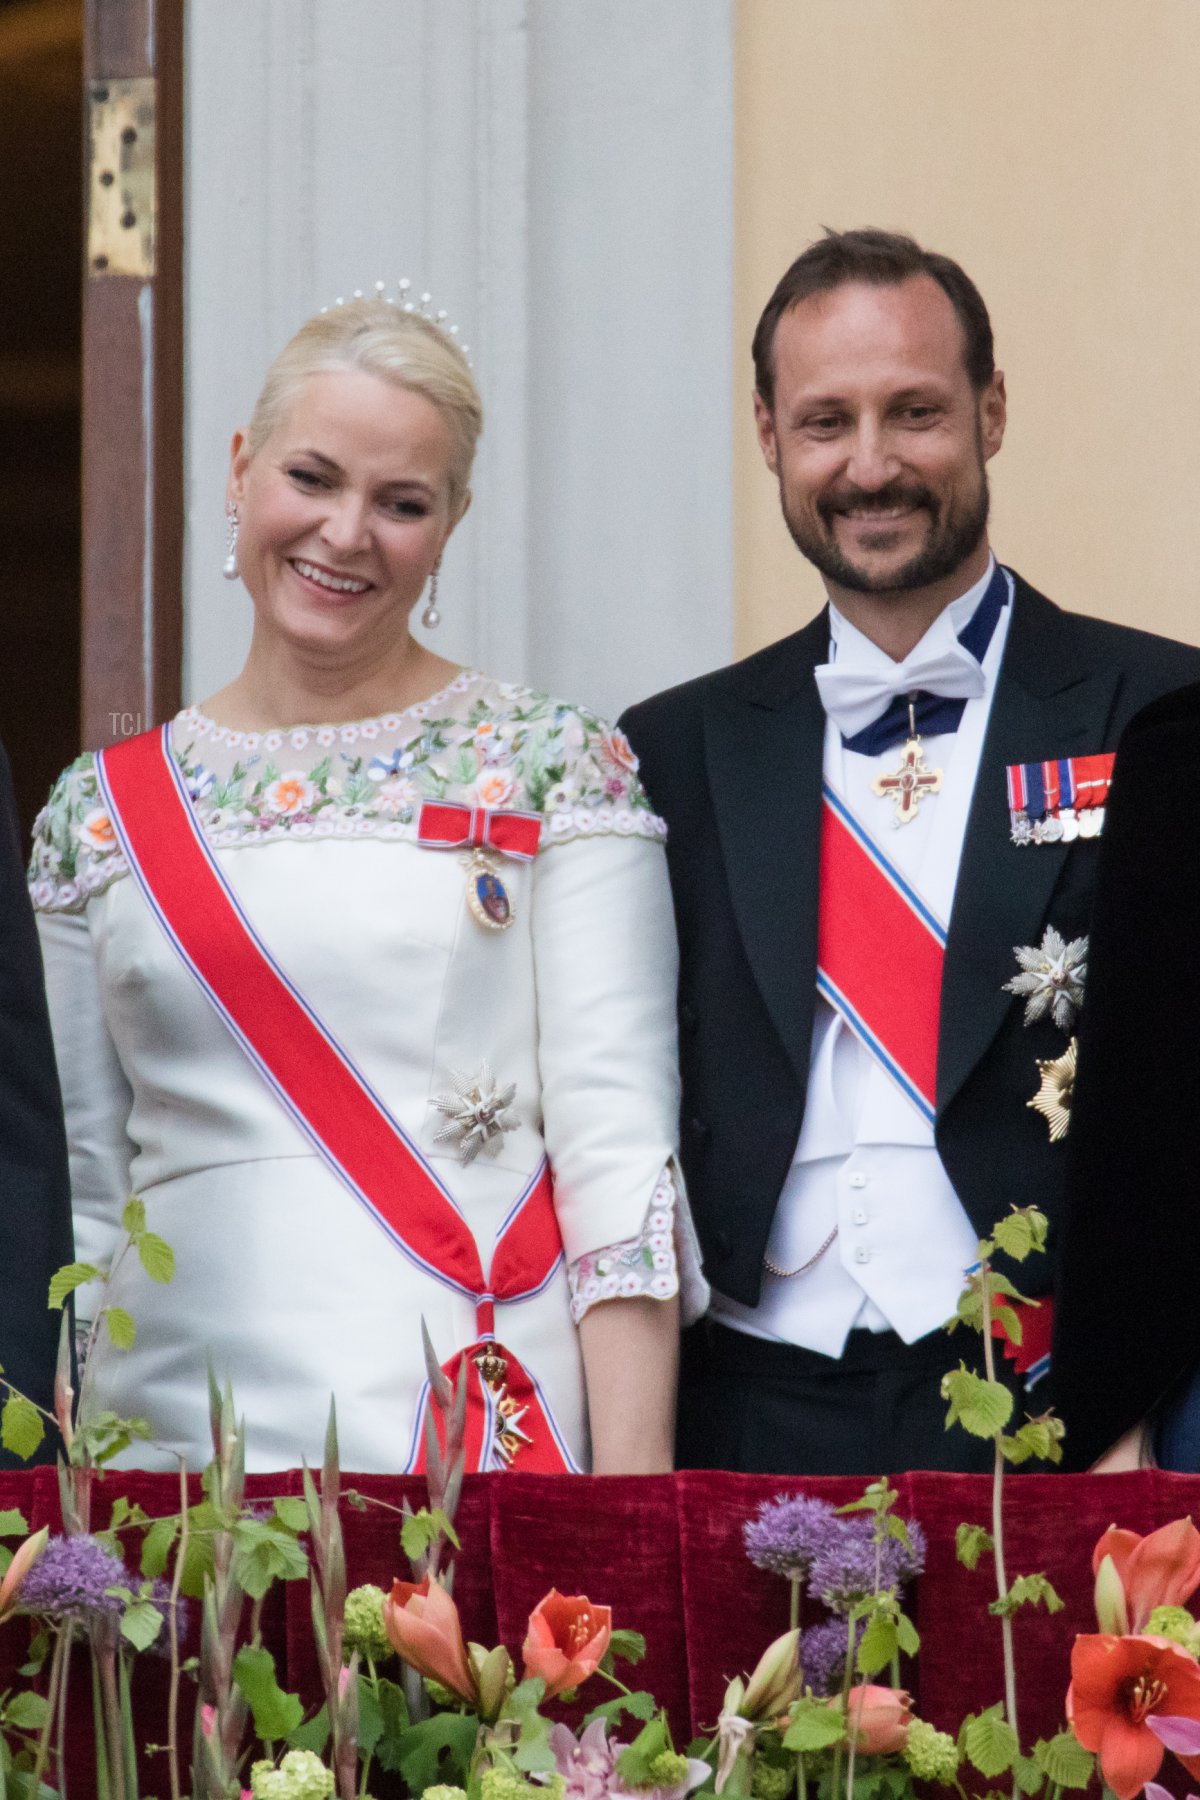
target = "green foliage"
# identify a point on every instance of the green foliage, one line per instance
(104, 1436)
(1022, 1233)
(312, 1735)
(292, 1512)
(639, 1706)
(266, 1550)
(393, 1711)
(1026, 1590)
(13, 1523)
(141, 1620)
(626, 1646)
(1064, 1761)
(1041, 1437)
(1027, 1775)
(533, 1754)
(421, 1531)
(970, 1543)
(121, 1328)
(276, 1714)
(21, 1428)
(980, 1406)
(64, 1281)
(990, 1743)
(634, 1762)
(437, 1752)
(370, 1718)
(26, 1712)
(814, 1726)
(156, 1256)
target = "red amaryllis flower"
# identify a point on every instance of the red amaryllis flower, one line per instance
(566, 1640)
(878, 1718)
(1117, 1685)
(422, 1623)
(1161, 1569)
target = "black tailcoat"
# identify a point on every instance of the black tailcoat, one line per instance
(1126, 1319)
(733, 762)
(35, 1202)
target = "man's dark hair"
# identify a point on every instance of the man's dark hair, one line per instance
(881, 259)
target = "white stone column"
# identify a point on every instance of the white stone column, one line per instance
(558, 173)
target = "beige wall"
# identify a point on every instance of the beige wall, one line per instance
(1052, 147)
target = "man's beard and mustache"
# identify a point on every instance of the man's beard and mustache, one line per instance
(953, 535)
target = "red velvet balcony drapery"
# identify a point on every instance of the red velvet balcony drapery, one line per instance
(665, 1552)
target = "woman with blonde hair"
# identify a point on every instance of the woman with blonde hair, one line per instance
(363, 976)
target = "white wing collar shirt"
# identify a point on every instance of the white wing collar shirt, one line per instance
(866, 1179)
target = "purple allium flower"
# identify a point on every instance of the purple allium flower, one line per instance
(69, 1578)
(788, 1533)
(845, 1570)
(899, 1564)
(823, 1654)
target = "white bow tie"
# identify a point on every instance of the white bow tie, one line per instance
(855, 697)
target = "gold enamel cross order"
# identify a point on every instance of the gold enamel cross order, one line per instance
(912, 782)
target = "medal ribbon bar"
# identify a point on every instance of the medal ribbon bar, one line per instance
(443, 825)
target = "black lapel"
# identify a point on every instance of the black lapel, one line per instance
(1050, 701)
(764, 734)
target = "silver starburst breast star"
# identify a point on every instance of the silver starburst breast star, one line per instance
(477, 1113)
(1052, 978)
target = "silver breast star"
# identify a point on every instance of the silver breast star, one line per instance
(1052, 978)
(477, 1114)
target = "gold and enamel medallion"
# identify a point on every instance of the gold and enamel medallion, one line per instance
(911, 782)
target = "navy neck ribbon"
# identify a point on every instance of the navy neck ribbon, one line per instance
(935, 713)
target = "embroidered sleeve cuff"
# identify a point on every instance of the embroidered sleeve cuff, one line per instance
(641, 1266)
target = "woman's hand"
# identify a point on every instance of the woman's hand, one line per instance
(630, 1366)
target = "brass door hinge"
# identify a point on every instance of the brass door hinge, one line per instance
(121, 194)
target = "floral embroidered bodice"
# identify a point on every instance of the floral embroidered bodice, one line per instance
(477, 741)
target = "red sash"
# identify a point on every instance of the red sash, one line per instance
(880, 952)
(879, 955)
(331, 1101)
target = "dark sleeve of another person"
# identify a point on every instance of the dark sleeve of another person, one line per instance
(1129, 1260)
(35, 1201)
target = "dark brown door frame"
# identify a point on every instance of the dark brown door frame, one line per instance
(132, 628)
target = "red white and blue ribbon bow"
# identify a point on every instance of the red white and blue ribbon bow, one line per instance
(444, 825)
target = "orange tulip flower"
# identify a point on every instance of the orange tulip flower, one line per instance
(878, 1717)
(1161, 1569)
(1117, 1685)
(422, 1623)
(566, 1640)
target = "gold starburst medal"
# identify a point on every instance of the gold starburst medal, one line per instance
(1053, 1099)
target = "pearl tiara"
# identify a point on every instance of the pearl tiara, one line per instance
(421, 306)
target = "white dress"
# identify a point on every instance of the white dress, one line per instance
(283, 1279)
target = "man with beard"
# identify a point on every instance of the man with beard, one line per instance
(866, 820)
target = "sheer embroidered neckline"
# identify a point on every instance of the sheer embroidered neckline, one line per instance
(191, 719)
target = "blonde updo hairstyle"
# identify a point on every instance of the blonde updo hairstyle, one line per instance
(382, 339)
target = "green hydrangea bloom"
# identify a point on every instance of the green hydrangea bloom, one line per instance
(505, 1784)
(932, 1755)
(363, 1629)
(667, 1769)
(445, 1793)
(300, 1776)
(768, 1781)
(1176, 1623)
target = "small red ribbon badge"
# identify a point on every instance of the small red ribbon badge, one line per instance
(442, 825)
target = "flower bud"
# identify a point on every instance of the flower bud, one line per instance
(493, 1672)
(1111, 1611)
(777, 1680)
